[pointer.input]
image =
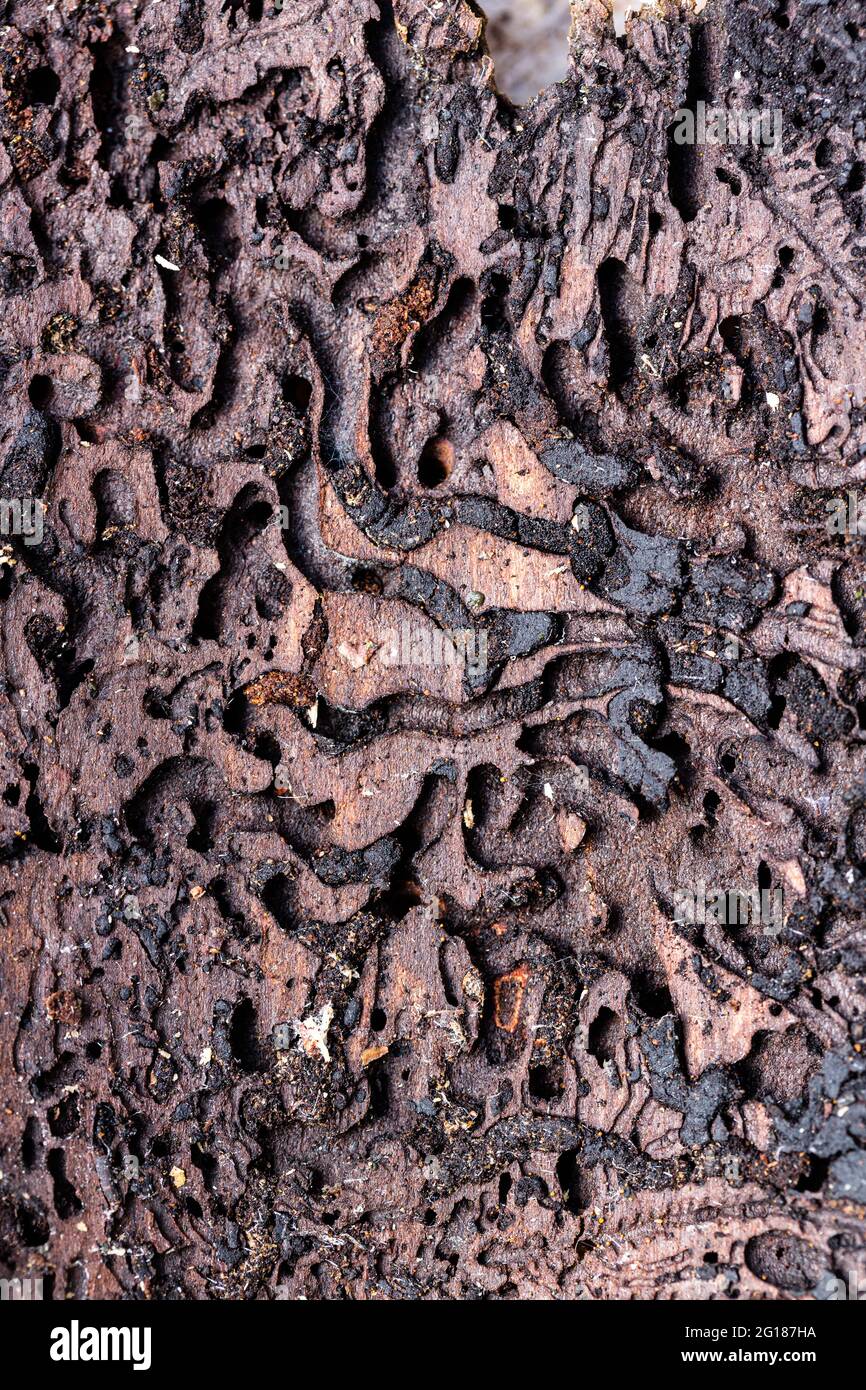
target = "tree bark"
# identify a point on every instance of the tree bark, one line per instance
(437, 618)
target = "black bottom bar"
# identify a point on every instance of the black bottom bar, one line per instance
(195, 1341)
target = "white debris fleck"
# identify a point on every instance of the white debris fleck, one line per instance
(623, 10)
(166, 265)
(772, 400)
(313, 1032)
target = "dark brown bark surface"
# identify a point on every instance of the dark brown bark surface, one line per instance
(332, 976)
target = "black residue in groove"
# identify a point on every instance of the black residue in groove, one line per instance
(613, 291)
(684, 161)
